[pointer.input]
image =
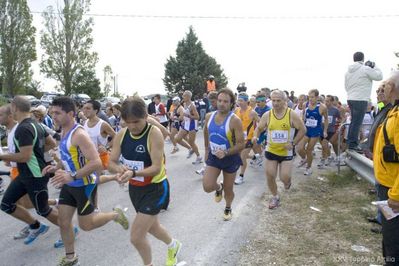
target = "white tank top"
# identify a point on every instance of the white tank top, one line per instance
(95, 133)
(10, 143)
(298, 111)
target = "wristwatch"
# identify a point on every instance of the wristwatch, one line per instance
(73, 175)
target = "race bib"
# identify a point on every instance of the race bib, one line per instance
(330, 119)
(216, 147)
(279, 136)
(136, 166)
(311, 122)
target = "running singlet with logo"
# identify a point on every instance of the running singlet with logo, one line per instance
(135, 154)
(280, 133)
(247, 125)
(333, 115)
(189, 124)
(72, 159)
(220, 136)
(313, 121)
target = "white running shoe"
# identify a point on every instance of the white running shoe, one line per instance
(308, 171)
(198, 160)
(301, 163)
(239, 180)
(200, 171)
(322, 163)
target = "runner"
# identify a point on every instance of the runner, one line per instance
(30, 141)
(177, 116)
(222, 153)
(189, 126)
(300, 106)
(77, 179)
(140, 147)
(248, 118)
(100, 132)
(313, 120)
(160, 111)
(332, 136)
(280, 123)
(261, 108)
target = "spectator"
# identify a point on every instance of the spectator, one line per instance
(202, 111)
(151, 107)
(111, 117)
(213, 100)
(45, 118)
(386, 170)
(206, 101)
(358, 84)
(117, 113)
(292, 97)
(210, 84)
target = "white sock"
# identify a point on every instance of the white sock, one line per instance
(172, 244)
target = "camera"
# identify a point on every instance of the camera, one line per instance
(241, 87)
(370, 64)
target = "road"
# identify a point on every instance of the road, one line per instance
(193, 217)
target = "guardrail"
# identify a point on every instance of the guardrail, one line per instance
(358, 162)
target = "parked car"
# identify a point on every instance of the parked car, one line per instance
(33, 100)
(46, 100)
(105, 100)
(80, 98)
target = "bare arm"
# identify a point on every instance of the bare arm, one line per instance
(206, 135)
(156, 123)
(82, 140)
(193, 113)
(107, 130)
(114, 166)
(297, 123)
(236, 128)
(49, 143)
(263, 122)
(23, 156)
(324, 113)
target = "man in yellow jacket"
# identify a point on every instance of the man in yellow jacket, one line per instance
(386, 170)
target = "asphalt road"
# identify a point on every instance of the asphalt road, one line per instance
(193, 217)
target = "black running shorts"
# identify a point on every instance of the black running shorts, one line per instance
(150, 199)
(81, 198)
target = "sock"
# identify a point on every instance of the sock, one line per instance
(35, 225)
(172, 244)
(254, 157)
(242, 175)
(227, 209)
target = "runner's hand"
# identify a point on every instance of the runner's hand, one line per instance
(325, 134)
(49, 169)
(60, 178)
(220, 154)
(124, 177)
(394, 205)
(289, 146)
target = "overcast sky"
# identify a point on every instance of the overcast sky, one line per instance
(296, 52)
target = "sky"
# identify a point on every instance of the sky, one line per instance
(285, 44)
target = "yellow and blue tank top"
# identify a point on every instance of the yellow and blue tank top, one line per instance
(220, 136)
(248, 126)
(280, 133)
(135, 154)
(73, 160)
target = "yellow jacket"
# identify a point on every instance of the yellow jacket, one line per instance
(387, 174)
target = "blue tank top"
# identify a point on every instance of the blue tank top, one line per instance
(260, 111)
(313, 120)
(220, 136)
(73, 160)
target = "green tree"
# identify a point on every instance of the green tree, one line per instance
(87, 82)
(191, 67)
(66, 42)
(17, 45)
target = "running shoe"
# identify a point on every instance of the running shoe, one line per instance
(69, 262)
(22, 234)
(329, 161)
(190, 153)
(301, 163)
(59, 243)
(308, 171)
(200, 171)
(34, 233)
(274, 202)
(219, 193)
(2, 190)
(227, 215)
(175, 149)
(239, 180)
(173, 252)
(121, 219)
(198, 160)
(322, 163)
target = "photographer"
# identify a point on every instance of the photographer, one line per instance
(358, 83)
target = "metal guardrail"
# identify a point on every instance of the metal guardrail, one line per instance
(358, 162)
(361, 165)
